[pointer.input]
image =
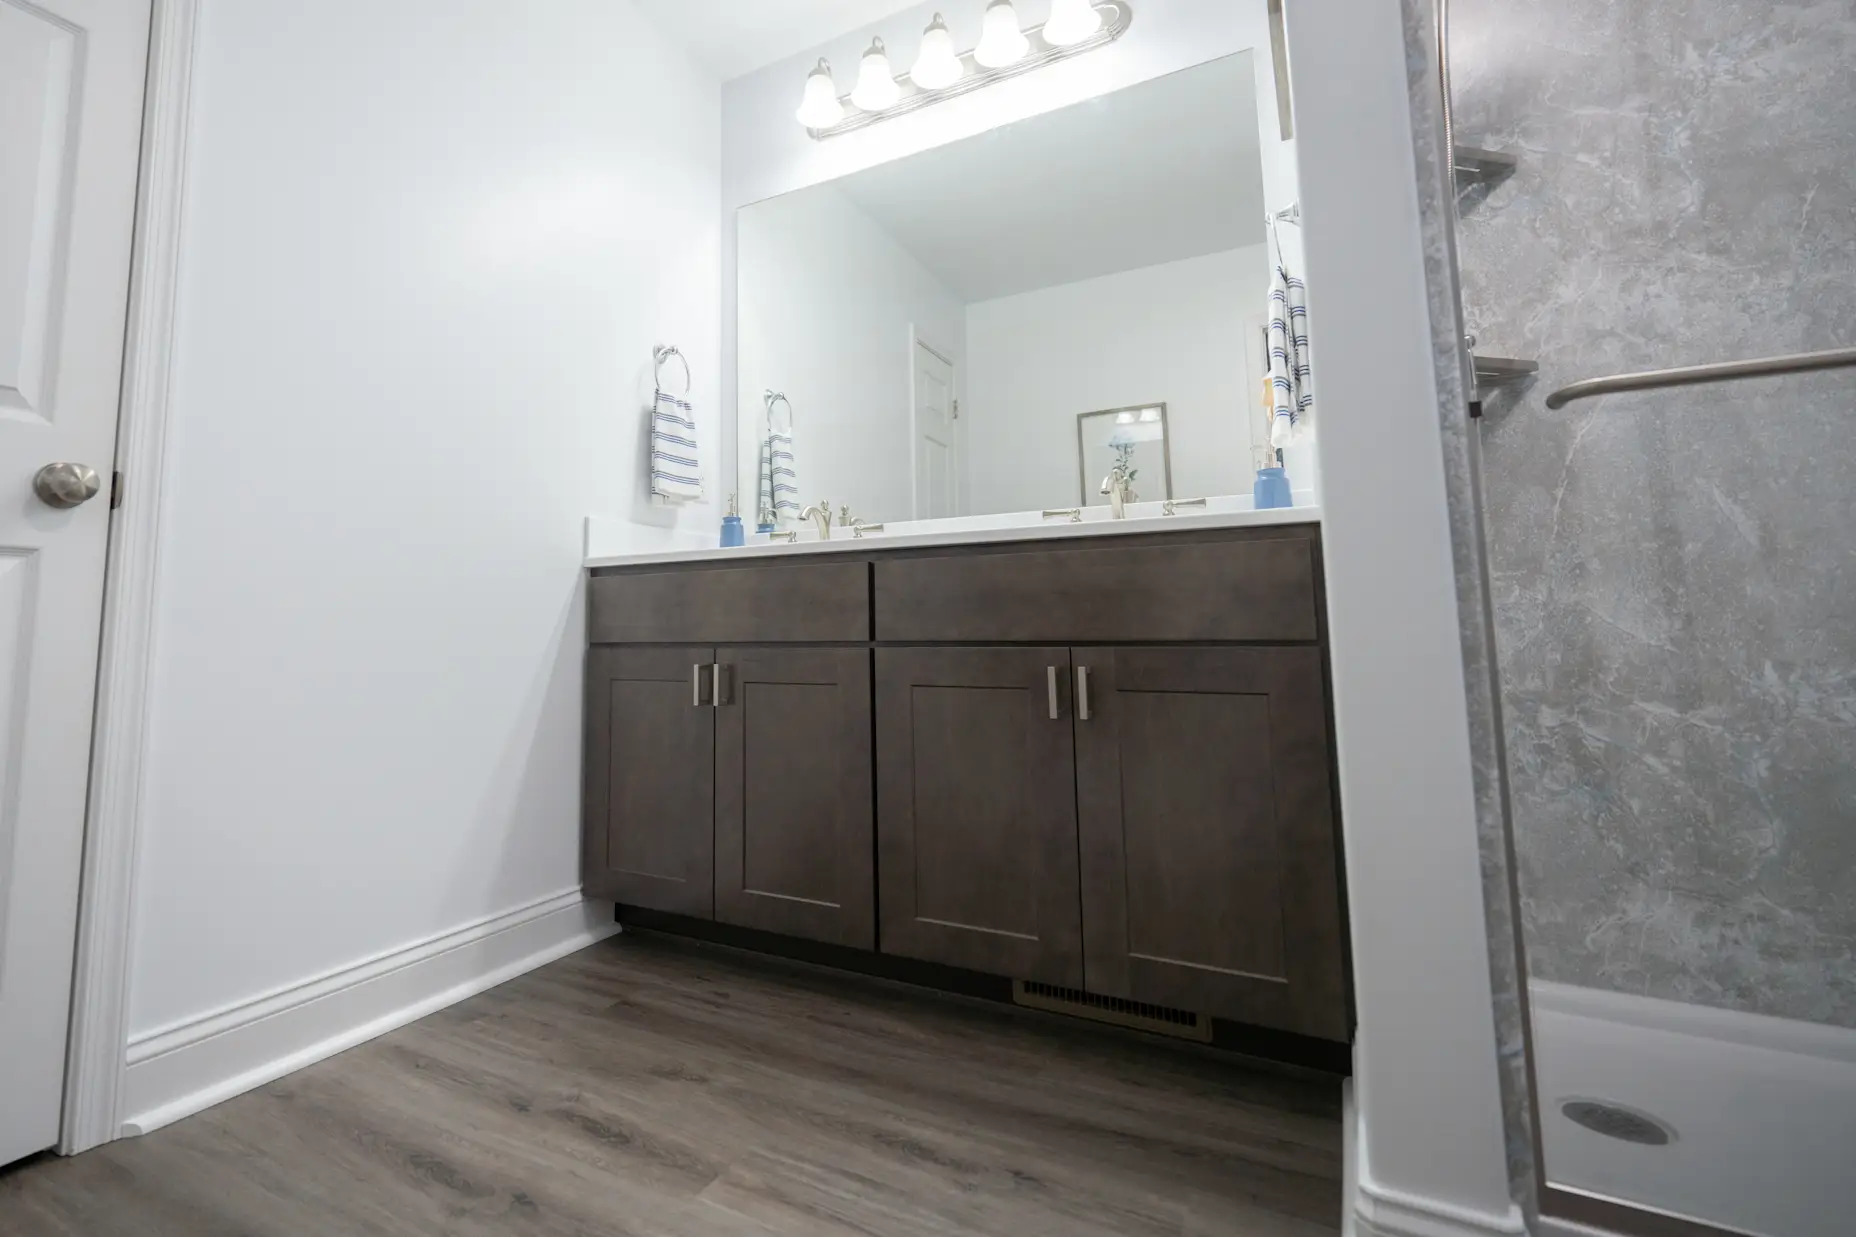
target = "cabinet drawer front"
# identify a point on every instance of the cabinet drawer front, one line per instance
(810, 602)
(1250, 589)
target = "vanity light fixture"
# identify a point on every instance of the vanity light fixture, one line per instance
(938, 65)
(820, 108)
(939, 73)
(1002, 43)
(876, 81)
(1071, 21)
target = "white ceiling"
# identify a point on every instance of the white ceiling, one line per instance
(733, 37)
(1158, 172)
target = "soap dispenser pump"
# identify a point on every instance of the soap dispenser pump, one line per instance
(732, 532)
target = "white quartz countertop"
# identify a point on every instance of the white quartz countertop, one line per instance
(606, 539)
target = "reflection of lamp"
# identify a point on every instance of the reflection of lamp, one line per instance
(1071, 21)
(1001, 41)
(938, 66)
(821, 108)
(876, 82)
(1124, 418)
(1150, 414)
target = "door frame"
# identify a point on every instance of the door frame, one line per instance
(918, 341)
(95, 1055)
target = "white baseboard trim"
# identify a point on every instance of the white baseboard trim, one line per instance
(1380, 1212)
(176, 1071)
(1373, 1210)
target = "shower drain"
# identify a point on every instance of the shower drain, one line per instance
(1616, 1121)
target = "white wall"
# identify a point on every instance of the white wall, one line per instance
(1431, 1142)
(766, 152)
(827, 300)
(1183, 333)
(428, 246)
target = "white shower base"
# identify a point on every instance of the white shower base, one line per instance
(1764, 1110)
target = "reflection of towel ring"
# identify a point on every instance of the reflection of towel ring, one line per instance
(662, 353)
(777, 397)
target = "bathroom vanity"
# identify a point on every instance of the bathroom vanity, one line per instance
(1102, 763)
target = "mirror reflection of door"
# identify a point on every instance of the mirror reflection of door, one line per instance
(936, 467)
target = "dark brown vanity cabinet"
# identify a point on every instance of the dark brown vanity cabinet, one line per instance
(733, 783)
(792, 794)
(649, 799)
(976, 803)
(1205, 817)
(1100, 765)
(1148, 823)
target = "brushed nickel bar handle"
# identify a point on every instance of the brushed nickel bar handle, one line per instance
(1050, 679)
(1691, 375)
(715, 685)
(696, 684)
(1083, 711)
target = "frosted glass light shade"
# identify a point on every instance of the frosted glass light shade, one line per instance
(820, 108)
(938, 66)
(1002, 43)
(876, 82)
(1071, 21)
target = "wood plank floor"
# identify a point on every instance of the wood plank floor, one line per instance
(654, 1087)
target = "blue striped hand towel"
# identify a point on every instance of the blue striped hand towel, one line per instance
(779, 477)
(1291, 375)
(676, 464)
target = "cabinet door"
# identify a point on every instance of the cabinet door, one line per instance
(793, 809)
(649, 830)
(1205, 808)
(976, 810)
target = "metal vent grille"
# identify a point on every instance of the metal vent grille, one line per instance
(1617, 1121)
(1138, 1015)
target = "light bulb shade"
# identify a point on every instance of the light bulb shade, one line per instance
(1002, 43)
(938, 66)
(876, 81)
(820, 108)
(1071, 21)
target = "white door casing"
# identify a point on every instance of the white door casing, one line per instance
(71, 77)
(936, 457)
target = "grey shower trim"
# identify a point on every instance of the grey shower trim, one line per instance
(1475, 618)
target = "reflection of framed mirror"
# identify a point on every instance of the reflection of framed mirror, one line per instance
(1135, 436)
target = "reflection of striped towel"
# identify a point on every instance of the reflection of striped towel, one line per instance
(676, 465)
(779, 477)
(1291, 379)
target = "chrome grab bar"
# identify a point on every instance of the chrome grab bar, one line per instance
(1690, 375)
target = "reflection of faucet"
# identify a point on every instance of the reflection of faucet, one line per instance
(1117, 486)
(822, 515)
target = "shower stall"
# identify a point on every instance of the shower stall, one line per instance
(1669, 521)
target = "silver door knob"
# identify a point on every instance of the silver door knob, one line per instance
(66, 485)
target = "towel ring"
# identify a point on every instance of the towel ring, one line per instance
(778, 397)
(662, 353)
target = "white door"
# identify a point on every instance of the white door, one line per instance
(70, 131)
(936, 479)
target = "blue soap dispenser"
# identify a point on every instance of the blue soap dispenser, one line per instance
(732, 532)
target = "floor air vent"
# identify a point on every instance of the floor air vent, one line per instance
(1159, 1019)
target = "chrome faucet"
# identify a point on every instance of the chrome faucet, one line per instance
(821, 515)
(1118, 486)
